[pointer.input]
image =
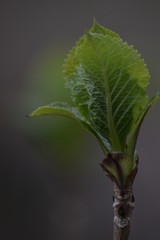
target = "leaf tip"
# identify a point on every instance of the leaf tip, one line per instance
(95, 26)
(95, 22)
(30, 115)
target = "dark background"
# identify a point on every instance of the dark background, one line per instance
(51, 186)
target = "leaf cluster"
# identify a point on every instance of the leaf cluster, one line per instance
(108, 80)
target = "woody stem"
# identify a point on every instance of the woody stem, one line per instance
(123, 206)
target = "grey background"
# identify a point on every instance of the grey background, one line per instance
(40, 198)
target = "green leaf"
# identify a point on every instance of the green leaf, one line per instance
(63, 109)
(135, 130)
(56, 108)
(108, 80)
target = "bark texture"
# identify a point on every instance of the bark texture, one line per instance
(123, 199)
(123, 204)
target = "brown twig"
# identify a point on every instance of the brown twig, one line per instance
(123, 206)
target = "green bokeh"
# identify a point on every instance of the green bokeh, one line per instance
(61, 137)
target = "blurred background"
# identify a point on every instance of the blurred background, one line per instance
(51, 184)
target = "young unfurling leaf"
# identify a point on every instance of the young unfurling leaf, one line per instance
(108, 80)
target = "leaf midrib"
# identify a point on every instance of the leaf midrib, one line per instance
(113, 133)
